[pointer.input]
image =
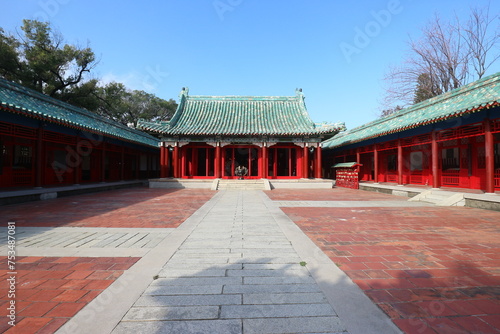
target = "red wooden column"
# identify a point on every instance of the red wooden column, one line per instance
(208, 156)
(358, 160)
(103, 162)
(151, 165)
(436, 175)
(138, 165)
(490, 157)
(39, 158)
(275, 164)
(175, 161)
(148, 163)
(193, 165)
(122, 164)
(163, 168)
(264, 161)
(182, 162)
(166, 162)
(218, 161)
(318, 167)
(305, 169)
(79, 160)
(400, 163)
(375, 164)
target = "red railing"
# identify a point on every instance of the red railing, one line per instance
(416, 177)
(497, 178)
(450, 178)
(495, 125)
(391, 177)
(461, 132)
(58, 138)
(22, 178)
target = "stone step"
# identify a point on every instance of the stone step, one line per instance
(436, 197)
(241, 184)
(441, 198)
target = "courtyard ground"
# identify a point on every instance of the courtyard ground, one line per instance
(430, 269)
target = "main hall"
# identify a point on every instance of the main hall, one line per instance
(269, 136)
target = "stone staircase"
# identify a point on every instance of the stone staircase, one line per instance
(440, 198)
(260, 184)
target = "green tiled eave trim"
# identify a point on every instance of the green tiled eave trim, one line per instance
(19, 99)
(241, 116)
(471, 98)
(346, 165)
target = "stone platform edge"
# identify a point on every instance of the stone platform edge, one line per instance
(479, 201)
(37, 194)
(209, 183)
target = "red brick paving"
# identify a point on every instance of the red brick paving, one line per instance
(135, 207)
(47, 297)
(431, 269)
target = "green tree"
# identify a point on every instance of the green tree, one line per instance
(128, 106)
(42, 61)
(9, 56)
(425, 88)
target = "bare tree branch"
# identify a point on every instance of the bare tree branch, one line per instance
(447, 56)
(480, 43)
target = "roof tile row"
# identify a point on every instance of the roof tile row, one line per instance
(241, 116)
(19, 99)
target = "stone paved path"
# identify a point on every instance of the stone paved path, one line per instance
(236, 273)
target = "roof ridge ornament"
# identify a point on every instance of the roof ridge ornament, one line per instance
(299, 94)
(184, 91)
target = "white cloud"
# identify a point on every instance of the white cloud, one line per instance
(148, 80)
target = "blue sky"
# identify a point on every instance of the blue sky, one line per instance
(245, 47)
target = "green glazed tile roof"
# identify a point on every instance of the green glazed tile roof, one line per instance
(240, 116)
(471, 98)
(19, 99)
